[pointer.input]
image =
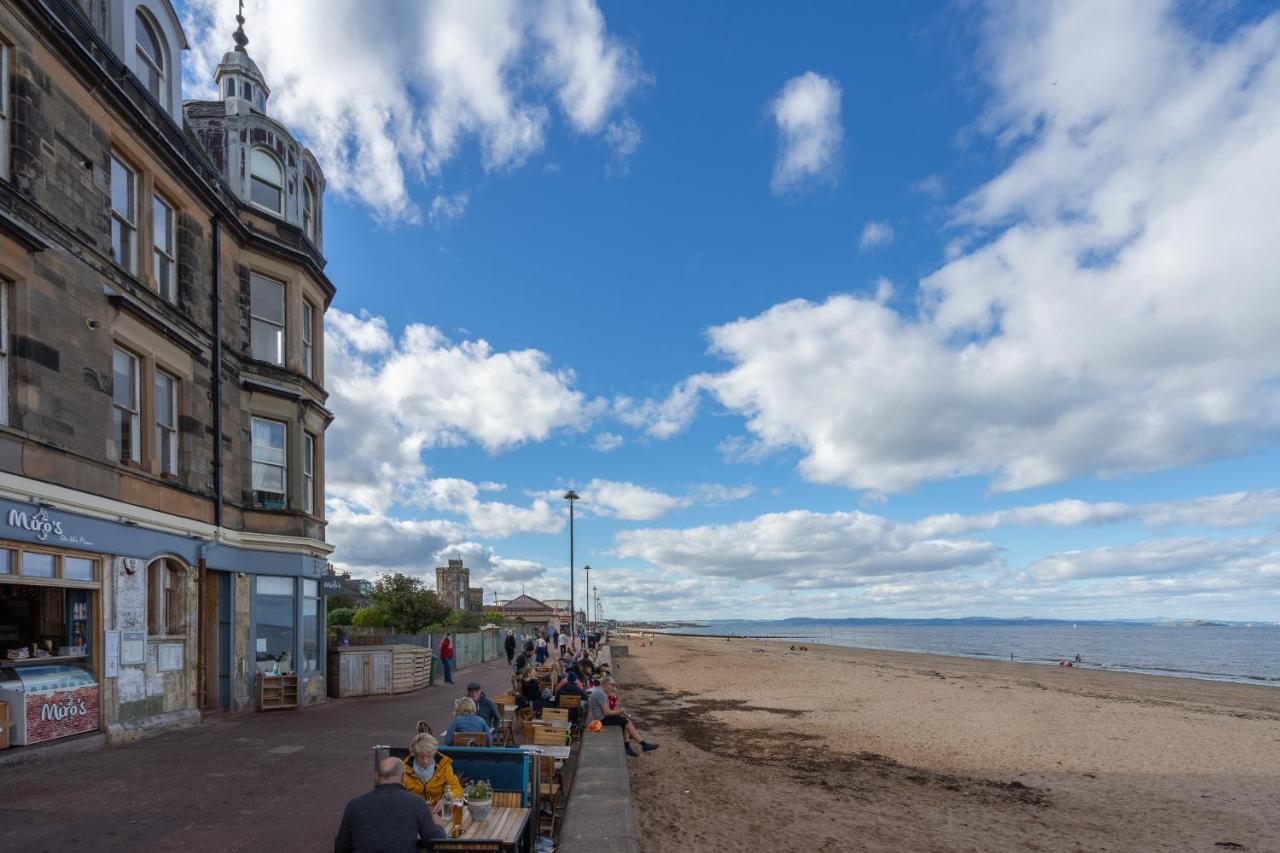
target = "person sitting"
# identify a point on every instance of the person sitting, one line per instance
(427, 772)
(586, 668)
(388, 817)
(465, 719)
(485, 709)
(530, 690)
(603, 705)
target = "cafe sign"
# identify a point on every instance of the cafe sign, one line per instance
(60, 713)
(43, 526)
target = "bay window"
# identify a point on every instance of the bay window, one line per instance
(266, 312)
(266, 181)
(270, 466)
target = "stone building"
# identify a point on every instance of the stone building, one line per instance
(454, 589)
(162, 401)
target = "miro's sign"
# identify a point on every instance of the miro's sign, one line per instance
(43, 526)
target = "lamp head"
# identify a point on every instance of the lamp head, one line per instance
(571, 495)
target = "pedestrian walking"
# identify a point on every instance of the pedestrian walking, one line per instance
(510, 645)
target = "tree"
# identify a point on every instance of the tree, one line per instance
(493, 617)
(369, 617)
(463, 620)
(340, 601)
(407, 603)
(341, 616)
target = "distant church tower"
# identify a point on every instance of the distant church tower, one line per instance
(452, 583)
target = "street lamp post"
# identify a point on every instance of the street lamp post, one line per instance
(571, 496)
(587, 569)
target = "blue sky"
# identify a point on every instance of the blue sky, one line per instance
(831, 309)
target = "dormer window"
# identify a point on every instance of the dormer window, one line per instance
(308, 211)
(266, 184)
(151, 64)
(247, 90)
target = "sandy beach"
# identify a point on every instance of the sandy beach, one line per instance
(842, 749)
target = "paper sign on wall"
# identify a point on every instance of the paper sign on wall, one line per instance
(262, 644)
(133, 647)
(111, 655)
(170, 657)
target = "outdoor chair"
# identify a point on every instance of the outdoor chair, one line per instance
(548, 793)
(463, 845)
(469, 739)
(561, 714)
(572, 706)
(543, 736)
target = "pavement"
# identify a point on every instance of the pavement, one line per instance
(273, 781)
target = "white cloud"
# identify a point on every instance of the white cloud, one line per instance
(662, 419)
(810, 135)
(717, 493)
(489, 519)
(875, 234)
(1112, 307)
(624, 137)
(607, 441)
(931, 186)
(448, 208)
(627, 501)
(385, 97)
(395, 398)
(1160, 557)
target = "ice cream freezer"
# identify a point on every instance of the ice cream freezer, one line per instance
(49, 701)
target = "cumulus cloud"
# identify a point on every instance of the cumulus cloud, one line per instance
(1111, 305)
(664, 418)
(1161, 557)
(383, 98)
(810, 135)
(875, 234)
(395, 398)
(490, 519)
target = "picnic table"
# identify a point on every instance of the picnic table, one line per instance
(504, 824)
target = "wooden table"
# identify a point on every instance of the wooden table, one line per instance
(504, 824)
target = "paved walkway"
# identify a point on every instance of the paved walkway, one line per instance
(272, 781)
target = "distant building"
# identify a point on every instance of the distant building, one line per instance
(453, 587)
(475, 599)
(344, 584)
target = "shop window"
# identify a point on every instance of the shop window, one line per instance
(124, 410)
(164, 239)
(6, 562)
(35, 565)
(167, 423)
(309, 473)
(312, 633)
(166, 598)
(124, 214)
(270, 469)
(266, 313)
(273, 616)
(78, 569)
(308, 339)
(151, 64)
(266, 181)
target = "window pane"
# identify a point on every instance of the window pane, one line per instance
(260, 192)
(267, 341)
(268, 478)
(310, 634)
(6, 562)
(263, 165)
(309, 587)
(37, 565)
(165, 387)
(268, 441)
(162, 216)
(273, 616)
(78, 569)
(266, 299)
(121, 189)
(124, 376)
(147, 41)
(268, 585)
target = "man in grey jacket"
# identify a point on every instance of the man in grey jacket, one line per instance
(388, 819)
(603, 705)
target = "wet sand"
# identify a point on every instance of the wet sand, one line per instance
(844, 749)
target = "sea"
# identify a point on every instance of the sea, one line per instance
(1242, 653)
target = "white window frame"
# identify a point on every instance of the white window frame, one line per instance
(135, 414)
(155, 63)
(167, 284)
(308, 473)
(254, 176)
(308, 339)
(254, 462)
(127, 220)
(281, 329)
(167, 434)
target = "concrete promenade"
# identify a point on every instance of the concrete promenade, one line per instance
(274, 781)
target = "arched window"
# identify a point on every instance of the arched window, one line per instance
(265, 181)
(166, 598)
(308, 211)
(151, 65)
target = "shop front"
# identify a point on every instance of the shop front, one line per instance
(122, 628)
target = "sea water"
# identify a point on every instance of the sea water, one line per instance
(1235, 653)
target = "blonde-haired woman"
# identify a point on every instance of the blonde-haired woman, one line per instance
(465, 719)
(426, 771)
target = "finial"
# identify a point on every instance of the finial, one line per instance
(238, 36)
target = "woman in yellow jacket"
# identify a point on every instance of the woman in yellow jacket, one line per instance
(426, 771)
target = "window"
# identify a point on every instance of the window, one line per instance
(270, 471)
(36, 565)
(166, 598)
(273, 620)
(248, 91)
(266, 312)
(124, 217)
(124, 405)
(4, 352)
(78, 569)
(265, 181)
(308, 473)
(312, 636)
(4, 111)
(6, 561)
(308, 339)
(150, 59)
(308, 211)
(165, 270)
(167, 423)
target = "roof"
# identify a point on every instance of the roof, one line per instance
(525, 602)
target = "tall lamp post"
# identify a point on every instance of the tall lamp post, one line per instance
(587, 569)
(571, 496)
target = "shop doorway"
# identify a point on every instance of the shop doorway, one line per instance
(216, 618)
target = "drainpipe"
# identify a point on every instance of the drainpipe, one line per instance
(216, 371)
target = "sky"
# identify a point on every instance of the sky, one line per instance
(914, 310)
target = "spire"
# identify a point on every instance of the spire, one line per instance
(238, 36)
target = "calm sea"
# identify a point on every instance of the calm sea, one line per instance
(1246, 654)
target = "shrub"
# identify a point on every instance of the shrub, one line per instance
(341, 616)
(369, 617)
